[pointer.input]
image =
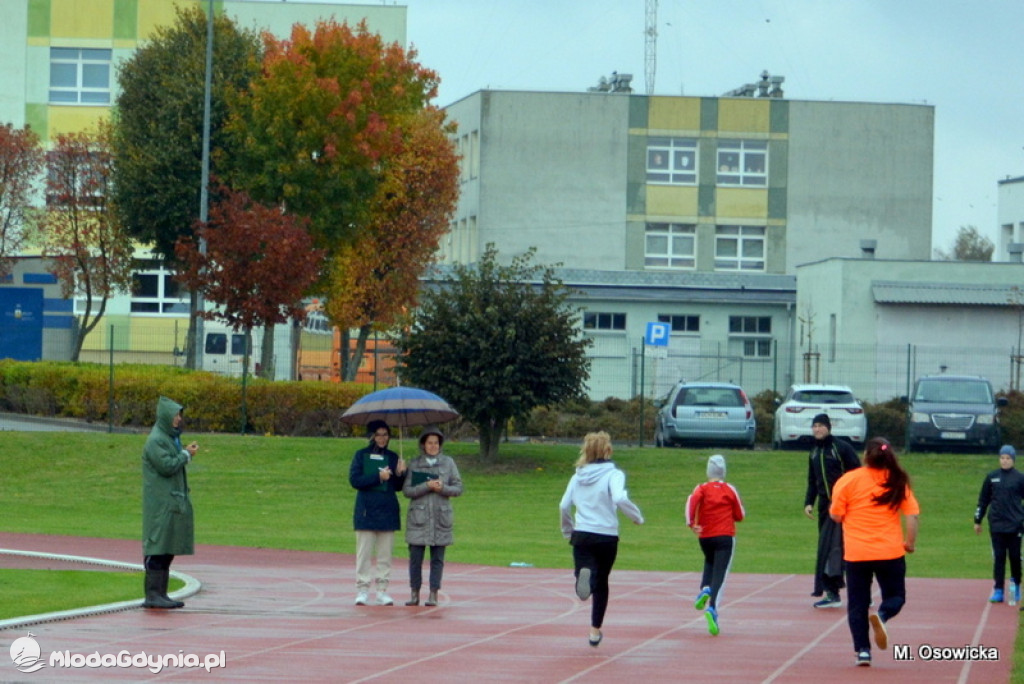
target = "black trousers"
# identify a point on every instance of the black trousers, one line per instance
(597, 552)
(161, 562)
(1005, 544)
(891, 576)
(416, 553)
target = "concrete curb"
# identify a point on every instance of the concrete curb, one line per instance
(191, 588)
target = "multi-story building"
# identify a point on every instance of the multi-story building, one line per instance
(58, 58)
(58, 68)
(690, 210)
(1011, 220)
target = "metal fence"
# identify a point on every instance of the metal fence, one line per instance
(876, 373)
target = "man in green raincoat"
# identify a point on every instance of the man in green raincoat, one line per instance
(167, 522)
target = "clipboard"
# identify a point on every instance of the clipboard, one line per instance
(419, 477)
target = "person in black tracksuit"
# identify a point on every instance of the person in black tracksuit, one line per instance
(829, 459)
(1001, 494)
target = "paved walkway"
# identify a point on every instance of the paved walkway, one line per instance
(281, 615)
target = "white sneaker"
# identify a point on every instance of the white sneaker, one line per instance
(361, 598)
(384, 600)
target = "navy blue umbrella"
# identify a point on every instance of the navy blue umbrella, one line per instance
(400, 407)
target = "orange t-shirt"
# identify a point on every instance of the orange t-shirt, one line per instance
(870, 531)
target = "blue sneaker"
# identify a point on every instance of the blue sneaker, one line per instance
(1014, 594)
(702, 598)
(996, 597)
(711, 615)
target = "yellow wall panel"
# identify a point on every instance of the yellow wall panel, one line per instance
(674, 114)
(741, 203)
(746, 115)
(666, 200)
(82, 19)
(74, 119)
(153, 13)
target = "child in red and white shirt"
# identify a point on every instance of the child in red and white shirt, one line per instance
(712, 511)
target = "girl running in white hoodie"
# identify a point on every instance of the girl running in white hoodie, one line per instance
(597, 491)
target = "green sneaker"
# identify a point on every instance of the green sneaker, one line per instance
(702, 599)
(711, 615)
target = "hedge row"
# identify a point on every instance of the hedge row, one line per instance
(214, 403)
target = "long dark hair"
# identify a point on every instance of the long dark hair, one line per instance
(879, 454)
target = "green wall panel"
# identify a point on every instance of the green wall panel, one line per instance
(126, 19)
(39, 18)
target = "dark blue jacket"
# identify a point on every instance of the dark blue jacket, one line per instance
(1002, 493)
(376, 501)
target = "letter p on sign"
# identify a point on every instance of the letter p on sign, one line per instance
(657, 334)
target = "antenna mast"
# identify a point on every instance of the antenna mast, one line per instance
(651, 45)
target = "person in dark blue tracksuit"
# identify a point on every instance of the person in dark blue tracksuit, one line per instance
(1002, 495)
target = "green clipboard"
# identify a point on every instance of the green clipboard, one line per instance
(419, 477)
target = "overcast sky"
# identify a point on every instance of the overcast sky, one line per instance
(965, 58)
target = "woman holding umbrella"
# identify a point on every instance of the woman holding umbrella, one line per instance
(431, 481)
(376, 473)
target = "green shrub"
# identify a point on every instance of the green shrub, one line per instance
(213, 403)
(887, 419)
(765, 404)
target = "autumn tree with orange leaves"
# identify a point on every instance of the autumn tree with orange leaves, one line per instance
(91, 252)
(257, 265)
(340, 129)
(21, 161)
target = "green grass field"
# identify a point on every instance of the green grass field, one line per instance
(293, 493)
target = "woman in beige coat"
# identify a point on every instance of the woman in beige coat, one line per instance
(432, 479)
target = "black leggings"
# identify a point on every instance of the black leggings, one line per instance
(717, 561)
(597, 552)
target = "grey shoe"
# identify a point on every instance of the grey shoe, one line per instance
(583, 584)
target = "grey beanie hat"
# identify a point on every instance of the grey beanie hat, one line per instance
(716, 467)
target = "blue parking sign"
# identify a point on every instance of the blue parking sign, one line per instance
(657, 334)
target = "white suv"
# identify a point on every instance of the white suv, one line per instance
(803, 402)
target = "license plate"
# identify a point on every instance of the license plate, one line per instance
(953, 435)
(713, 414)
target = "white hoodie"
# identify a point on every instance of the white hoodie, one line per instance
(597, 490)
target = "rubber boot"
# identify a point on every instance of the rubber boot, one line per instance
(165, 578)
(432, 598)
(154, 587)
(414, 600)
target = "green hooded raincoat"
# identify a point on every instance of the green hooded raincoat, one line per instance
(167, 522)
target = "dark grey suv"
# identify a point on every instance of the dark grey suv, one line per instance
(953, 411)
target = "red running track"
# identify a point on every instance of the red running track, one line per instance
(284, 615)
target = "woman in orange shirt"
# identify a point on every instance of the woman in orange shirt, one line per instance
(868, 502)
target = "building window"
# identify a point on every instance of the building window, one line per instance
(743, 162)
(155, 291)
(672, 161)
(739, 248)
(750, 325)
(752, 334)
(681, 323)
(670, 245)
(760, 349)
(604, 321)
(78, 180)
(79, 76)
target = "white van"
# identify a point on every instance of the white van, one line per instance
(224, 350)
